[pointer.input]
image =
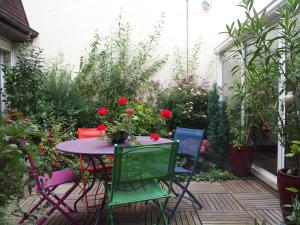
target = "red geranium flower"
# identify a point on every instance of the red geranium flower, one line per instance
(129, 112)
(102, 111)
(102, 127)
(122, 101)
(154, 136)
(166, 114)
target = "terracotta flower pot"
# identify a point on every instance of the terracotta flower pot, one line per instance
(285, 181)
(241, 160)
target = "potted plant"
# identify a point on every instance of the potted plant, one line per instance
(242, 139)
(288, 180)
(125, 124)
(268, 73)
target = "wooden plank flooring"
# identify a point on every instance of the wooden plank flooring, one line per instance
(235, 202)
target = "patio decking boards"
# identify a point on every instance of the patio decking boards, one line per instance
(230, 202)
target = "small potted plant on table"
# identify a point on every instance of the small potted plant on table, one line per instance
(123, 127)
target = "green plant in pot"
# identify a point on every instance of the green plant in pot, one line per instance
(242, 139)
(269, 62)
(126, 119)
(289, 182)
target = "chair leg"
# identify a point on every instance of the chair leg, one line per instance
(110, 216)
(84, 182)
(56, 206)
(192, 196)
(63, 203)
(162, 214)
(33, 209)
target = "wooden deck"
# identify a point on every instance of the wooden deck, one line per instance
(231, 202)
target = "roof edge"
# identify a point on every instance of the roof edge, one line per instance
(17, 24)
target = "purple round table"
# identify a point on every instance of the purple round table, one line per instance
(92, 146)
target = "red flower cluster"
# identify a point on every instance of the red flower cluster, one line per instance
(129, 112)
(102, 111)
(154, 136)
(102, 127)
(166, 114)
(122, 101)
(204, 146)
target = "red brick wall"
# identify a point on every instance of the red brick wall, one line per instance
(15, 9)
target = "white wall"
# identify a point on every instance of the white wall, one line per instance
(68, 26)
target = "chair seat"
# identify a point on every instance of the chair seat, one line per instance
(60, 177)
(180, 169)
(137, 192)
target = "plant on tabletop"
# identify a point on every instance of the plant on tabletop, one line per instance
(127, 121)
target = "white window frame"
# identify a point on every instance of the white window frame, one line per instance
(6, 46)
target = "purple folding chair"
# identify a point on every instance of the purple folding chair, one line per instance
(45, 187)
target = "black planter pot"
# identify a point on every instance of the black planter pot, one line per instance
(118, 137)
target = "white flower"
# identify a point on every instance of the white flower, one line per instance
(198, 93)
(191, 103)
(184, 112)
(192, 89)
(191, 107)
(179, 89)
(189, 110)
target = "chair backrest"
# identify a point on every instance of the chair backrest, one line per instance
(87, 132)
(143, 163)
(190, 141)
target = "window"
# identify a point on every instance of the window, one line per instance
(5, 61)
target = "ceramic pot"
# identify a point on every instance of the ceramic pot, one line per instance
(285, 181)
(241, 159)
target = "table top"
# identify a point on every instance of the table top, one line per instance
(92, 146)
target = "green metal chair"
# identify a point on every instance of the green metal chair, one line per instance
(136, 172)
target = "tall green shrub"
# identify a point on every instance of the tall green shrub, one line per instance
(218, 127)
(272, 57)
(116, 67)
(23, 82)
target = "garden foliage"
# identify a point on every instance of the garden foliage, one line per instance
(185, 95)
(116, 67)
(218, 128)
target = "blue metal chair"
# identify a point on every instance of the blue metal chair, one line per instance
(189, 145)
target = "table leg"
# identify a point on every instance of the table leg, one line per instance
(90, 186)
(105, 180)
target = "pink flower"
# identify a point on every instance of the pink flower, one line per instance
(102, 111)
(24, 140)
(122, 101)
(204, 146)
(129, 112)
(26, 120)
(154, 136)
(166, 114)
(102, 127)
(202, 149)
